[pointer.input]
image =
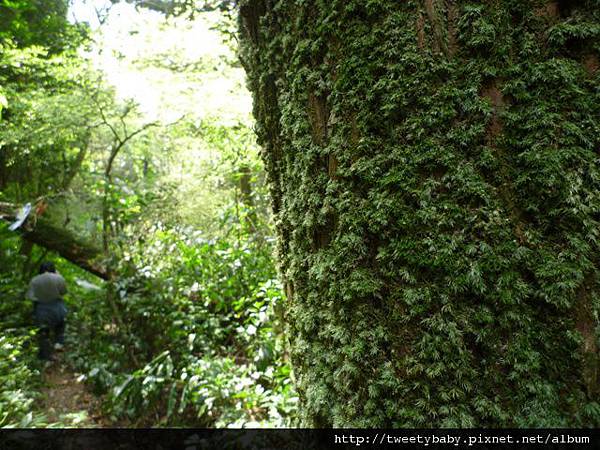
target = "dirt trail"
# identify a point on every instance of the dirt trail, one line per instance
(67, 401)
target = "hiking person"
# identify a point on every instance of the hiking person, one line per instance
(46, 291)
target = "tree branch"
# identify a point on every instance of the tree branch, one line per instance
(46, 234)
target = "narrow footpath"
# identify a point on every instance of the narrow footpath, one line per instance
(66, 401)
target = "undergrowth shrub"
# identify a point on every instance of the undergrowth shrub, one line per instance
(19, 379)
(201, 319)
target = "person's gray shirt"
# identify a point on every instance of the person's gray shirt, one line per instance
(47, 287)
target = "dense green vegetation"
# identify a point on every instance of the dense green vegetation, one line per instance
(172, 212)
(435, 179)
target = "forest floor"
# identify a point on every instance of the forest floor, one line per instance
(67, 401)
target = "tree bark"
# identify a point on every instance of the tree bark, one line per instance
(44, 233)
(245, 187)
(434, 174)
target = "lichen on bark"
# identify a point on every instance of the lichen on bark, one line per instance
(436, 188)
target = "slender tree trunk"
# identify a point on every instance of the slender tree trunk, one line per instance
(111, 293)
(72, 170)
(25, 251)
(250, 217)
(434, 173)
(3, 170)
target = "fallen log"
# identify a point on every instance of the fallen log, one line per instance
(41, 231)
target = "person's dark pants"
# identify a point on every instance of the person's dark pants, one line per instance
(50, 317)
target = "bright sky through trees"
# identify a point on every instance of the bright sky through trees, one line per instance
(153, 59)
(173, 67)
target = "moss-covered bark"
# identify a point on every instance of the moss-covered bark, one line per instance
(435, 179)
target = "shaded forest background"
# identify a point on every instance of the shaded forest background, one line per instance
(166, 201)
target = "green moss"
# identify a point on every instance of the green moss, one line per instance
(435, 180)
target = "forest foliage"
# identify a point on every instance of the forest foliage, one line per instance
(185, 331)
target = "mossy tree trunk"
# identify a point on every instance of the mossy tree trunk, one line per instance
(436, 186)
